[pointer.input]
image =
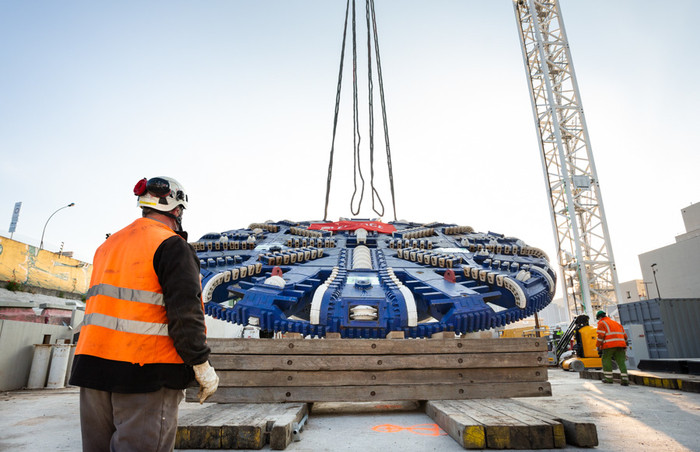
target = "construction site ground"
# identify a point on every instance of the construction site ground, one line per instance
(627, 418)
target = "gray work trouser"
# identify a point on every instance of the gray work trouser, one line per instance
(116, 422)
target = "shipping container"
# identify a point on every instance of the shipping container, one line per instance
(670, 325)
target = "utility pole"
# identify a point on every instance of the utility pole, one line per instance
(656, 283)
(41, 245)
(580, 229)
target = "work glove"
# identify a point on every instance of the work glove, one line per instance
(207, 379)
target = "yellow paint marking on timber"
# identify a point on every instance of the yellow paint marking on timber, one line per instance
(474, 437)
(498, 437)
(559, 434)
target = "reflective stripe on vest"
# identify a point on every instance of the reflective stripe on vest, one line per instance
(126, 326)
(125, 314)
(610, 334)
(614, 336)
(122, 293)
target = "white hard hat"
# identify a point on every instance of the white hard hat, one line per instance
(160, 193)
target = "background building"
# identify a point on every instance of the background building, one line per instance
(672, 271)
(634, 290)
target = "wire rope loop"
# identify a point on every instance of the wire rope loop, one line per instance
(370, 17)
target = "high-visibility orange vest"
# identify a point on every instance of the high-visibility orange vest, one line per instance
(125, 316)
(610, 334)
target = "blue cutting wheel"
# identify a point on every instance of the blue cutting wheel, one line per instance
(364, 279)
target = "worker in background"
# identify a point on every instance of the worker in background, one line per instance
(558, 333)
(143, 338)
(612, 344)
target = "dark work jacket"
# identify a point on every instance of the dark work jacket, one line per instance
(177, 267)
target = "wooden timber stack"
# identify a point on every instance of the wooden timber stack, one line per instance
(360, 370)
(508, 424)
(256, 374)
(240, 426)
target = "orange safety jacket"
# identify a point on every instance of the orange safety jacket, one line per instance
(610, 334)
(125, 315)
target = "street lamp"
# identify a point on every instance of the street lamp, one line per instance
(653, 269)
(41, 245)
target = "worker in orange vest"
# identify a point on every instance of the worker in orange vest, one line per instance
(612, 345)
(143, 337)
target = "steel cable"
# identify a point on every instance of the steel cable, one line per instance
(357, 169)
(384, 117)
(337, 108)
(370, 91)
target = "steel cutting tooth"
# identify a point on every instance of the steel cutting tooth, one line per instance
(545, 274)
(518, 294)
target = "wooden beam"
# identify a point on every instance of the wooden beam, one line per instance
(284, 346)
(364, 370)
(467, 431)
(381, 362)
(282, 431)
(239, 426)
(426, 391)
(543, 432)
(502, 429)
(576, 432)
(558, 430)
(508, 423)
(221, 427)
(254, 378)
(364, 407)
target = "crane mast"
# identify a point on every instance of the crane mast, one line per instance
(581, 232)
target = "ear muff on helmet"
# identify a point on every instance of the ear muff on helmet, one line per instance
(160, 193)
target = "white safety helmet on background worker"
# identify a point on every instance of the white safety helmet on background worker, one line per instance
(160, 193)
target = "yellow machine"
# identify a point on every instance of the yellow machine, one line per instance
(527, 331)
(585, 352)
(588, 358)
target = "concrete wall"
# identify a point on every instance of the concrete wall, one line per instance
(28, 265)
(17, 351)
(691, 217)
(677, 264)
(633, 291)
(17, 339)
(676, 270)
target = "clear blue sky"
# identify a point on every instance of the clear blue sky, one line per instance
(235, 99)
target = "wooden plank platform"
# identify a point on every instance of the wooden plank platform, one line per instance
(378, 392)
(239, 426)
(681, 382)
(372, 346)
(261, 378)
(507, 424)
(361, 370)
